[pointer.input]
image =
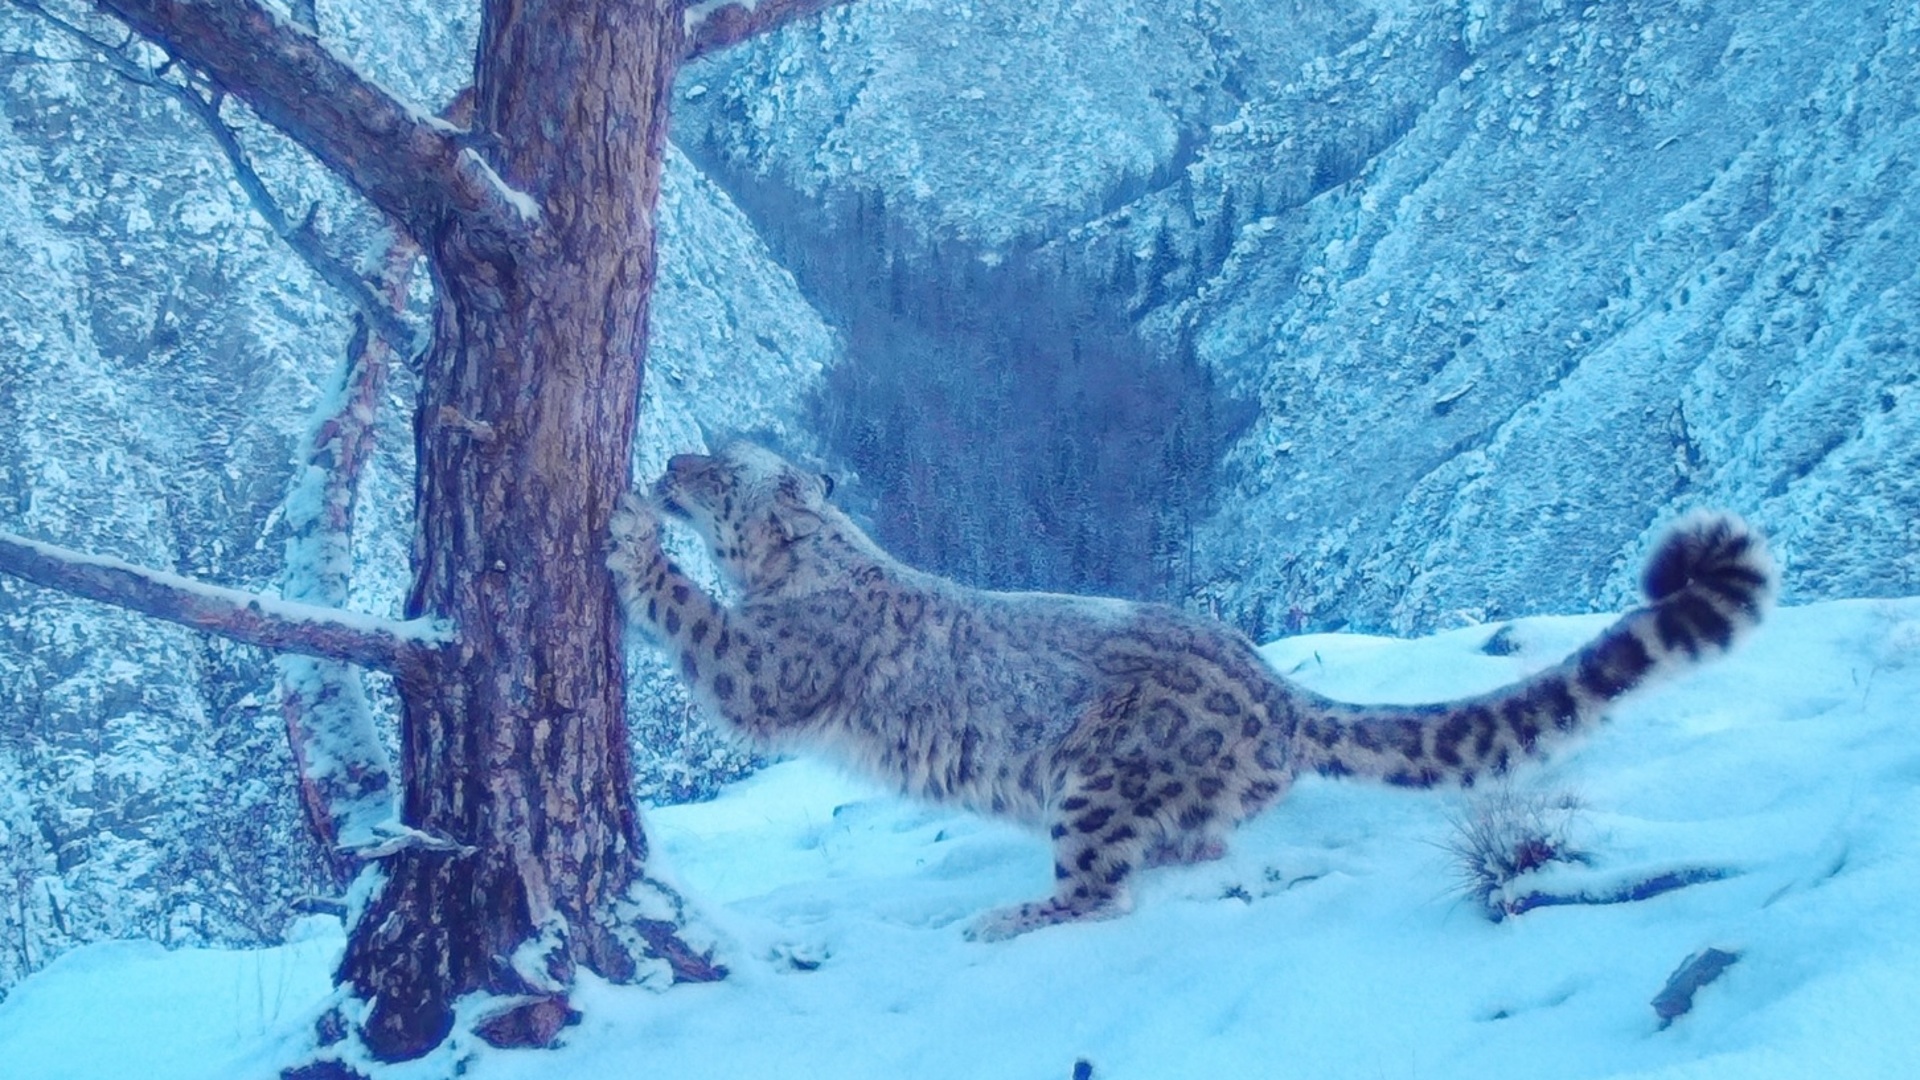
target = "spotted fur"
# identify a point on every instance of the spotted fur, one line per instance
(1133, 734)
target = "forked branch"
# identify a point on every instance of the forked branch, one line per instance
(250, 618)
(405, 162)
(713, 25)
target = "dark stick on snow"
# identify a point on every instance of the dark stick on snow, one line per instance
(249, 618)
(1676, 998)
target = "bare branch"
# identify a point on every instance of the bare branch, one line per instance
(36, 58)
(346, 777)
(250, 618)
(713, 25)
(404, 161)
(301, 238)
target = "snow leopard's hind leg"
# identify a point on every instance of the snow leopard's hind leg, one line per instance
(1099, 841)
(1135, 795)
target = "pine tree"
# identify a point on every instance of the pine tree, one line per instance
(523, 858)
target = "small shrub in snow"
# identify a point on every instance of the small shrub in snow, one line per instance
(1502, 834)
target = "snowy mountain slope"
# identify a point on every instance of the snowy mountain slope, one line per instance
(1506, 283)
(152, 361)
(1634, 258)
(159, 355)
(992, 121)
(1330, 942)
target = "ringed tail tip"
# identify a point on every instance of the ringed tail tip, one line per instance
(1709, 579)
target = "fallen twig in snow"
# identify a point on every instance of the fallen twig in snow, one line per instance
(1676, 998)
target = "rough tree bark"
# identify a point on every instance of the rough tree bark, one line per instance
(527, 413)
(538, 227)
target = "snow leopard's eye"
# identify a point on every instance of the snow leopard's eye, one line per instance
(826, 481)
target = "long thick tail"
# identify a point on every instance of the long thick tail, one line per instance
(1707, 584)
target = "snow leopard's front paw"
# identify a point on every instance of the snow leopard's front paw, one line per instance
(633, 544)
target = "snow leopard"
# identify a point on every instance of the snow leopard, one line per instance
(1133, 734)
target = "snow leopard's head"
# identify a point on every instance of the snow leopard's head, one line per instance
(747, 503)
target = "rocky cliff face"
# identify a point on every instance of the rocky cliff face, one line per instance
(160, 355)
(1506, 285)
(1626, 259)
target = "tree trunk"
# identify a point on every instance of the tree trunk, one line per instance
(520, 856)
(516, 743)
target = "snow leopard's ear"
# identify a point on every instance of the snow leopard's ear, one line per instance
(826, 482)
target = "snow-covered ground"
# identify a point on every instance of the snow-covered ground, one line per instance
(1331, 942)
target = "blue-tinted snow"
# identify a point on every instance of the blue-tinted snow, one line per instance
(1328, 943)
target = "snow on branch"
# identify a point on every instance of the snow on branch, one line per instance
(390, 838)
(404, 161)
(713, 25)
(346, 778)
(250, 618)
